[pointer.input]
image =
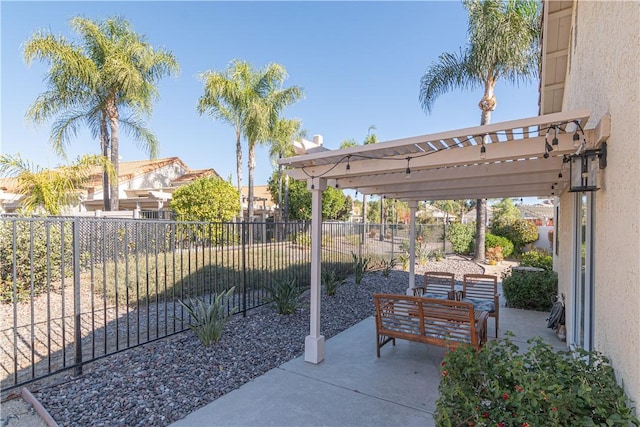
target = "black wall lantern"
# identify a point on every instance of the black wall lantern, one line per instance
(584, 168)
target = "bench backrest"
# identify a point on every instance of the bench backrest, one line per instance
(441, 322)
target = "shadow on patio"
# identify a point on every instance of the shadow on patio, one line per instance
(352, 387)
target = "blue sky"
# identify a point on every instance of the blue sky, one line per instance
(359, 64)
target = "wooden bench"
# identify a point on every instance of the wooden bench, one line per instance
(433, 321)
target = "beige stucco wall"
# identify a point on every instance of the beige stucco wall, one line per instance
(604, 77)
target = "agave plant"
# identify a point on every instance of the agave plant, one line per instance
(330, 280)
(207, 320)
(285, 295)
(360, 266)
(388, 266)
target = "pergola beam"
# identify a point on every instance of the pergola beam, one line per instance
(495, 152)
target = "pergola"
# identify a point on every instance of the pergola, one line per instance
(520, 158)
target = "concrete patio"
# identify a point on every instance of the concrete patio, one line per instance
(352, 387)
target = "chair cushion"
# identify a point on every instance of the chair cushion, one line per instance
(437, 296)
(481, 304)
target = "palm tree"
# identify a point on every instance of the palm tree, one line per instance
(503, 44)
(269, 99)
(226, 98)
(51, 189)
(251, 102)
(106, 82)
(280, 140)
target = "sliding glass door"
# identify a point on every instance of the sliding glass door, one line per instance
(583, 275)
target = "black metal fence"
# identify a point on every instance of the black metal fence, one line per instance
(73, 290)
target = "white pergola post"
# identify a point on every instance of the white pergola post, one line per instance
(413, 207)
(314, 342)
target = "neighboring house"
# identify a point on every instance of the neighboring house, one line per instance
(429, 211)
(263, 204)
(470, 217)
(144, 186)
(540, 215)
(591, 59)
(9, 198)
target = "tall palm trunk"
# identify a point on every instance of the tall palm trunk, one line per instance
(239, 171)
(286, 198)
(252, 165)
(486, 105)
(280, 191)
(104, 145)
(114, 116)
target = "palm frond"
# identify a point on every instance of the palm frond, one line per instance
(146, 140)
(503, 43)
(451, 71)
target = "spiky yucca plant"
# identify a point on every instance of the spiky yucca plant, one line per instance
(285, 295)
(331, 280)
(207, 320)
(360, 266)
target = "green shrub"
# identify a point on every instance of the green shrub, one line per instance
(285, 295)
(531, 290)
(461, 237)
(537, 258)
(330, 279)
(207, 320)
(39, 255)
(519, 231)
(491, 241)
(498, 386)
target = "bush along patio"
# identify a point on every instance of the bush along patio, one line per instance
(498, 386)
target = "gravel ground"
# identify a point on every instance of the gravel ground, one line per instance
(161, 382)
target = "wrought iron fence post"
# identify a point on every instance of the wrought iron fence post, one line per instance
(444, 236)
(244, 268)
(76, 296)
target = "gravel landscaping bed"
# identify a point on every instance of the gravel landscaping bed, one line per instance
(164, 381)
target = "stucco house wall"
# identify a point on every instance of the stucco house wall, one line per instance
(161, 177)
(604, 76)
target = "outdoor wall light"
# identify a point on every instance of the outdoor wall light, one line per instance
(407, 172)
(584, 168)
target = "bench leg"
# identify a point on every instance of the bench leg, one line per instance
(381, 341)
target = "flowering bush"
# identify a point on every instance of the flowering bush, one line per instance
(498, 386)
(494, 255)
